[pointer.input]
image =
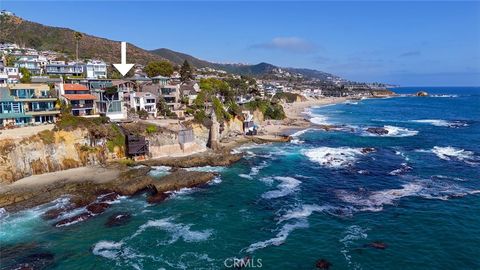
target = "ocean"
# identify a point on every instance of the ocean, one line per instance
(408, 199)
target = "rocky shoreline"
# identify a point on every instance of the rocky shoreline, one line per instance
(85, 185)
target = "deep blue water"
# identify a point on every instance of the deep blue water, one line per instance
(321, 196)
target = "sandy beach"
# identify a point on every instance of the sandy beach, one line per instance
(296, 117)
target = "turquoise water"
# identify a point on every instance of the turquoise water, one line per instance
(289, 205)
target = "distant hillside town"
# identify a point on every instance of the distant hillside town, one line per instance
(36, 85)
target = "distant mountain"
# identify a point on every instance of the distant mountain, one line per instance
(34, 35)
(42, 37)
(243, 69)
(178, 58)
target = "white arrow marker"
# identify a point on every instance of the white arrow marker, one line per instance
(123, 68)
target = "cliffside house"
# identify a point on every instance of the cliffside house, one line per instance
(64, 69)
(143, 101)
(23, 104)
(96, 69)
(190, 91)
(78, 97)
(161, 80)
(169, 93)
(111, 97)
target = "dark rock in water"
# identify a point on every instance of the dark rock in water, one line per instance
(367, 150)
(421, 94)
(377, 130)
(323, 264)
(118, 219)
(378, 245)
(74, 219)
(53, 213)
(110, 197)
(157, 198)
(97, 208)
(36, 261)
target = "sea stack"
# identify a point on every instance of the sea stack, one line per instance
(214, 132)
(421, 94)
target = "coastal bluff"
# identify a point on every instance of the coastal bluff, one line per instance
(50, 151)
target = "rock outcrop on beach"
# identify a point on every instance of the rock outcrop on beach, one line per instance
(211, 158)
(94, 194)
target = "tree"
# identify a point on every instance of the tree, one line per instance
(143, 114)
(155, 68)
(26, 75)
(10, 60)
(186, 72)
(77, 36)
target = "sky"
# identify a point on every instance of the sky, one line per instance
(408, 43)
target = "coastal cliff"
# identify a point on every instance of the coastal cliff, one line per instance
(50, 151)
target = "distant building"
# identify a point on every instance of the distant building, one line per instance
(64, 69)
(33, 63)
(96, 69)
(78, 97)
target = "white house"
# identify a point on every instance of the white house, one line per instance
(144, 101)
(96, 69)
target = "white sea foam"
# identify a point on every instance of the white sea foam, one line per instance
(107, 249)
(160, 171)
(444, 95)
(333, 157)
(352, 234)
(206, 169)
(280, 237)
(177, 230)
(255, 170)
(443, 123)
(287, 185)
(375, 201)
(301, 132)
(403, 169)
(304, 211)
(319, 120)
(449, 153)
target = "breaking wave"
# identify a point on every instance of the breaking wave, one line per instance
(330, 157)
(287, 185)
(443, 123)
(453, 153)
(393, 131)
(280, 237)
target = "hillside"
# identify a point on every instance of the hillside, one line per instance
(38, 36)
(34, 35)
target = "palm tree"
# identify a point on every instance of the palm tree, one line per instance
(78, 36)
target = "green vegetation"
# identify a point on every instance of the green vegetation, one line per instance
(220, 111)
(186, 72)
(70, 122)
(127, 162)
(47, 136)
(26, 75)
(269, 109)
(155, 68)
(115, 138)
(151, 129)
(142, 114)
(163, 108)
(288, 97)
(77, 36)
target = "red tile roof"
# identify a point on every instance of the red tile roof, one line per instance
(74, 87)
(80, 97)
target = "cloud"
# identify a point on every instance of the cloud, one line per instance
(287, 44)
(410, 54)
